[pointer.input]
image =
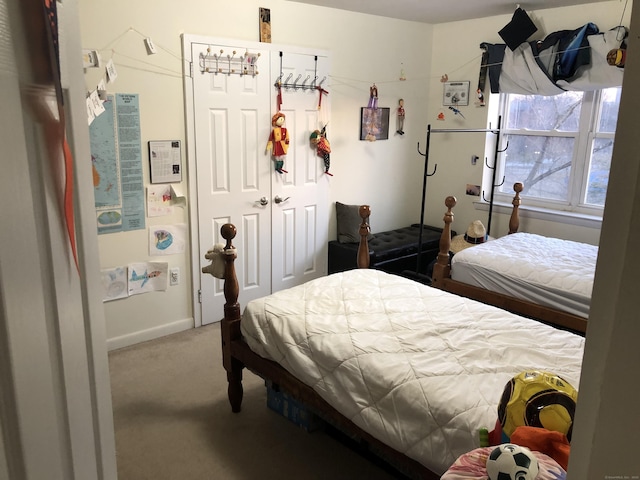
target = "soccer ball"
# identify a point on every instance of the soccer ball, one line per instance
(538, 399)
(512, 462)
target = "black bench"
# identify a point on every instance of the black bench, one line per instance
(393, 251)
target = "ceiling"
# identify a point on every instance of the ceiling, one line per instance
(440, 11)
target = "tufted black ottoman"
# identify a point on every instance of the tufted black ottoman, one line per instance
(392, 251)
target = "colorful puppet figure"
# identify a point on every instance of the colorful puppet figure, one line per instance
(278, 141)
(400, 114)
(319, 140)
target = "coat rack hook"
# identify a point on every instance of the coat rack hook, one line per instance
(486, 162)
(423, 154)
(504, 149)
(484, 198)
(435, 167)
(501, 183)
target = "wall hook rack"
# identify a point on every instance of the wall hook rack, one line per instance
(295, 85)
(229, 64)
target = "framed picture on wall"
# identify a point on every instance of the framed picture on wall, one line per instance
(456, 93)
(374, 124)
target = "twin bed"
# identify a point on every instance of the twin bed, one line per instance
(409, 370)
(545, 278)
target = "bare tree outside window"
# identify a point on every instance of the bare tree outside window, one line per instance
(560, 146)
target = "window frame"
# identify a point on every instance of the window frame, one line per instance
(585, 135)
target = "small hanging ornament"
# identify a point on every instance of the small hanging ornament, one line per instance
(400, 117)
(373, 96)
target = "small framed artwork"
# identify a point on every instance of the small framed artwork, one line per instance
(374, 124)
(456, 93)
(265, 25)
(165, 161)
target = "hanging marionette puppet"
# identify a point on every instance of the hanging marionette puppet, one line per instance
(319, 140)
(278, 142)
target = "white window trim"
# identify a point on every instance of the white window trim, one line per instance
(538, 213)
(572, 211)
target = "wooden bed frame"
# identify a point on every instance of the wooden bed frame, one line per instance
(236, 356)
(442, 279)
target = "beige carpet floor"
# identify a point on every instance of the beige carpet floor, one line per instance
(173, 421)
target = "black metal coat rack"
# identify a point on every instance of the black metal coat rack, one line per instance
(497, 151)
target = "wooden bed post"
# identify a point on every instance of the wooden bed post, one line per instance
(230, 326)
(363, 248)
(442, 267)
(514, 221)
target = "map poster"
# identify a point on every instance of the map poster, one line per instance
(116, 158)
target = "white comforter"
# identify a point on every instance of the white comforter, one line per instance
(548, 271)
(418, 368)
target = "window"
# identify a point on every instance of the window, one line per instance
(560, 147)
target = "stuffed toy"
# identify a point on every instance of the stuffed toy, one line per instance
(319, 140)
(278, 142)
(216, 256)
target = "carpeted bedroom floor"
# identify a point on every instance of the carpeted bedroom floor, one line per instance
(173, 421)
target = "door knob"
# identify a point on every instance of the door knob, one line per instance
(263, 201)
(279, 199)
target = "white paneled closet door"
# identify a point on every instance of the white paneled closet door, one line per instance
(281, 218)
(299, 222)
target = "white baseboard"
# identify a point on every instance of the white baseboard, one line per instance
(149, 334)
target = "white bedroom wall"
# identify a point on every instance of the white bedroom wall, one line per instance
(365, 49)
(457, 54)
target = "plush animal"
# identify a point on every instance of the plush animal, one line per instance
(216, 256)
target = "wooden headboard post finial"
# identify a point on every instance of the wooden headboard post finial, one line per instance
(230, 325)
(442, 267)
(514, 221)
(363, 248)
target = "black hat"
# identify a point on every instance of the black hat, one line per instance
(518, 29)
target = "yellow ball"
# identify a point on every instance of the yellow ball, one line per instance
(538, 399)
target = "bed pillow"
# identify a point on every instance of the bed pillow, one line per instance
(349, 223)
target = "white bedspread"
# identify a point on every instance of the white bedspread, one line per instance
(547, 271)
(419, 368)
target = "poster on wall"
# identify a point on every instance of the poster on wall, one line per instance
(165, 164)
(167, 239)
(114, 283)
(116, 162)
(148, 277)
(374, 124)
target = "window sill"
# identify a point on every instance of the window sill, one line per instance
(566, 218)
